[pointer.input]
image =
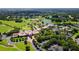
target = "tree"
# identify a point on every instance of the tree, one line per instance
(0, 22)
(18, 20)
(65, 48)
(75, 30)
(25, 42)
(27, 48)
(72, 45)
(0, 37)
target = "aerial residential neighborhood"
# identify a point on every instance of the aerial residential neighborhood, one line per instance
(39, 29)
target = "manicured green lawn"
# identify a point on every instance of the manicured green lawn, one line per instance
(26, 28)
(31, 48)
(3, 48)
(22, 46)
(4, 28)
(4, 42)
(72, 22)
(22, 25)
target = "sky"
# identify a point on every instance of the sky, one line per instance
(39, 3)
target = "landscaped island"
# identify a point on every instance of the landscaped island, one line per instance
(39, 30)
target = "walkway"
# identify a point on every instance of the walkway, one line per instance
(31, 41)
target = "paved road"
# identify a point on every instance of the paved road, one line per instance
(9, 41)
(31, 41)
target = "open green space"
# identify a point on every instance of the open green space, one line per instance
(22, 46)
(67, 22)
(4, 28)
(22, 25)
(19, 46)
(31, 48)
(4, 48)
(4, 42)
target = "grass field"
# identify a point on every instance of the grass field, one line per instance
(4, 28)
(3, 48)
(22, 46)
(7, 26)
(14, 24)
(4, 42)
(72, 22)
(31, 48)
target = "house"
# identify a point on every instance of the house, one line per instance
(77, 40)
(55, 48)
(71, 17)
(51, 25)
(15, 34)
(21, 33)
